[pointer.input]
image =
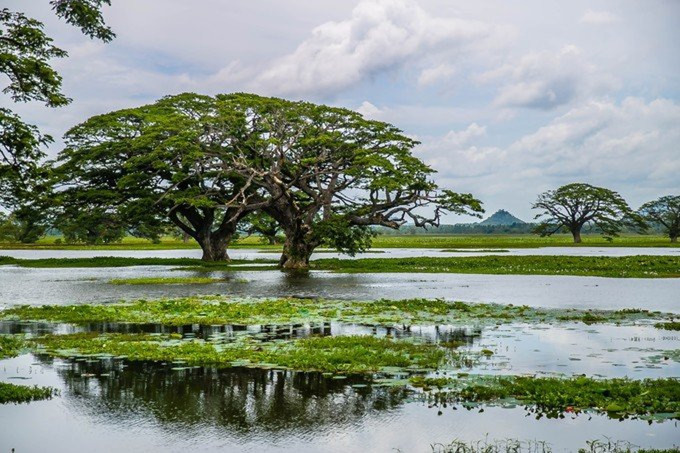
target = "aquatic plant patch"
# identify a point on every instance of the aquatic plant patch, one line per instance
(597, 266)
(10, 346)
(115, 261)
(675, 325)
(350, 354)
(211, 310)
(165, 281)
(535, 446)
(11, 393)
(553, 397)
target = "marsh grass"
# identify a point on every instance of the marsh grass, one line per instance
(675, 325)
(553, 397)
(220, 310)
(114, 261)
(534, 446)
(642, 266)
(10, 346)
(11, 393)
(350, 354)
(166, 281)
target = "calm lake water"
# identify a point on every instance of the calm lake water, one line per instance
(112, 405)
(80, 285)
(375, 253)
(109, 405)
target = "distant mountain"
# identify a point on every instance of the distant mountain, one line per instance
(501, 217)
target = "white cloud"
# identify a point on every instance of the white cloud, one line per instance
(369, 110)
(545, 80)
(629, 146)
(436, 74)
(380, 35)
(599, 17)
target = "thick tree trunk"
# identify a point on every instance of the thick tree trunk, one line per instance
(296, 254)
(577, 236)
(214, 246)
(674, 239)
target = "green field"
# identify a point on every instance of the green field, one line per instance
(383, 241)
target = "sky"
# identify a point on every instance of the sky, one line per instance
(508, 98)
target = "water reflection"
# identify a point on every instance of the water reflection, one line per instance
(106, 405)
(518, 348)
(242, 399)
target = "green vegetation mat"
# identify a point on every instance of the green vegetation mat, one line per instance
(165, 281)
(597, 266)
(11, 393)
(10, 346)
(350, 354)
(214, 310)
(621, 398)
(620, 267)
(536, 446)
(110, 261)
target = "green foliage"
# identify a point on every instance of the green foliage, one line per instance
(25, 56)
(620, 398)
(219, 310)
(165, 281)
(575, 205)
(664, 211)
(114, 261)
(10, 346)
(11, 393)
(668, 325)
(602, 266)
(350, 354)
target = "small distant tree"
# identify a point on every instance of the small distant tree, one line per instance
(575, 205)
(664, 212)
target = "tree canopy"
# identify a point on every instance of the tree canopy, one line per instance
(331, 174)
(574, 205)
(25, 55)
(155, 164)
(665, 212)
(323, 174)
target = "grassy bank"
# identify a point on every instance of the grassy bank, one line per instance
(112, 261)
(383, 241)
(596, 266)
(220, 310)
(600, 266)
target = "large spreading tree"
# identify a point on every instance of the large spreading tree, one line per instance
(664, 212)
(26, 53)
(573, 206)
(325, 175)
(145, 167)
(331, 174)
